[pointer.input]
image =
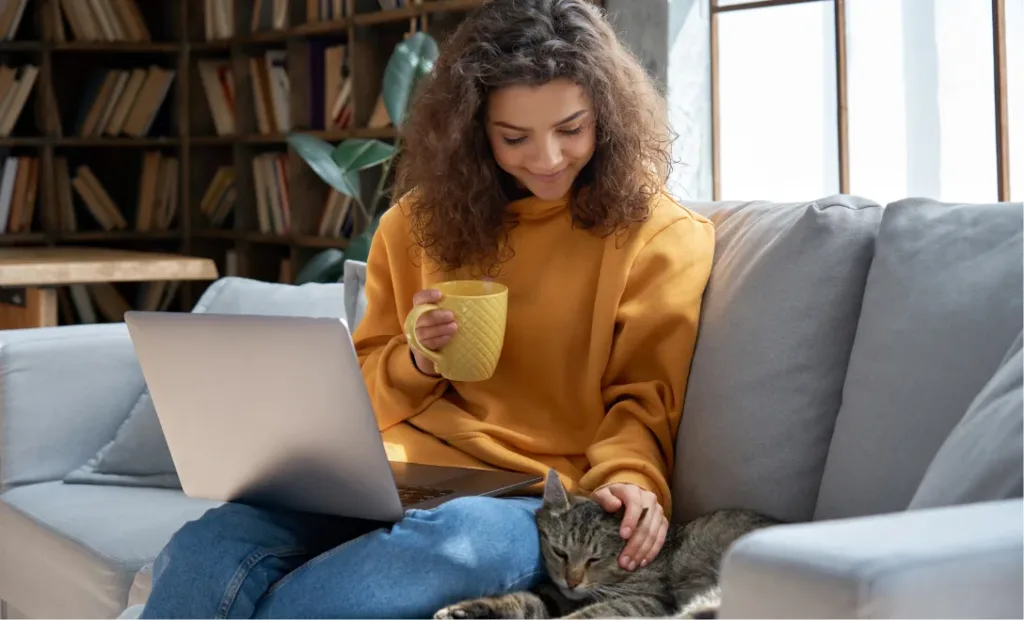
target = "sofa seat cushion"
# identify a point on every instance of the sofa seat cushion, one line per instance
(779, 317)
(85, 542)
(942, 305)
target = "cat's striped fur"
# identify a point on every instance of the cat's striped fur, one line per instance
(580, 543)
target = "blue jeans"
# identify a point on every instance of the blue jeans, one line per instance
(237, 561)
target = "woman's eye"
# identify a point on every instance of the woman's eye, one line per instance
(514, 141)
(571, 132)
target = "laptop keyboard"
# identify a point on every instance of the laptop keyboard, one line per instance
(416, 494)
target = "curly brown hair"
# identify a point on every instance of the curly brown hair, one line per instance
(458, 212)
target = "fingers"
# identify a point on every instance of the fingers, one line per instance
(606, 500)
(630, 496)
(653, 526)
(659, 542)
(426, 296)
(435, 328)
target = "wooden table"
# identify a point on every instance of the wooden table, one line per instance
(29, 276)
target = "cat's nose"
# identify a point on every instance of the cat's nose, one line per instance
(572, 582)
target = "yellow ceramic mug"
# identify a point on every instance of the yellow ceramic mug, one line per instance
(480, 309)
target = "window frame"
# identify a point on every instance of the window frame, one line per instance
(1001, 112)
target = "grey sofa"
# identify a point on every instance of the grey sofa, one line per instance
(858, 373)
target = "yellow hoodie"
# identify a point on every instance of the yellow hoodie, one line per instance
(598, 343)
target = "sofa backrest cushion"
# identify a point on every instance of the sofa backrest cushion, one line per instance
(138, 453)
(983, 458)
(941, 307)
(777, 325)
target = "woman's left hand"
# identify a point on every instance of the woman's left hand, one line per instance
(646, 536)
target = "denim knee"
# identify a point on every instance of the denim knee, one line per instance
(478, 539)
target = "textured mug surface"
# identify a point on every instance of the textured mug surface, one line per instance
(480, 309)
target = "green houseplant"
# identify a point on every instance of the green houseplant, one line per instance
(339, 165)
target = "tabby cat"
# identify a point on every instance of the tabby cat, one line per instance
(580, 544)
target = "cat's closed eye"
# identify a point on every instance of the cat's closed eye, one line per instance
(592, 561)
(561, 555)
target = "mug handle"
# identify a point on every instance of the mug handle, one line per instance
(410, 332)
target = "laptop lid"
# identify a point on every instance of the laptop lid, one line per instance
(266, 410)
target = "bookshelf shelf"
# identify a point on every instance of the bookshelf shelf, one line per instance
(122, 47)
(35, 141)
(117, 142)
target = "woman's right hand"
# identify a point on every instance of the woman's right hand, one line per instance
(433, 329)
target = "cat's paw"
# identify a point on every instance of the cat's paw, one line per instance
(479, 608)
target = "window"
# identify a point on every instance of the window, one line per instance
(881, 98)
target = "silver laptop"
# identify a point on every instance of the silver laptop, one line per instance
(273, 411)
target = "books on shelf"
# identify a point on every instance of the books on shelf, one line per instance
(219, 198)
(270, 180)
(11, 12)
(157, 199)
(324, 10)
(97, 200)
(102, 20)
(158, 192)
(330, 96)
(269, 15)
(219, 85)
(123, 101)
(19, 184)
(270, 91)
(15, 87)
(103, 301)
(335, 220)
(218, 19)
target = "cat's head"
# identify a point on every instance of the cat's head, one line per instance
(579, 540)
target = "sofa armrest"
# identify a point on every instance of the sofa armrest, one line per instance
(63, 393)
(954, 562)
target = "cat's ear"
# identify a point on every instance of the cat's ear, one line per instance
(555, 496)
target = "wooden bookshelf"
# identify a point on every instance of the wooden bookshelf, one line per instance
(167, 155)
(91, 56)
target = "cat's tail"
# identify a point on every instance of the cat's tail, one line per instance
(704, 604)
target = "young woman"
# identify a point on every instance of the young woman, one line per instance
(535, 155)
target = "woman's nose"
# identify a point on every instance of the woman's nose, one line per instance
(549, 155)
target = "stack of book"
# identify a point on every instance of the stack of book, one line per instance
(15, 87)
(219, 198)
(273, 209)
(19, 183)
(123, 101)
(102, 20)
(219, 85)
(271, 91)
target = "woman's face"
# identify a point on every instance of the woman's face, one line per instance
(542, 135)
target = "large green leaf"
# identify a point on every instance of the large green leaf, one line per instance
(353, 155)
(412, 59)
(319, 155)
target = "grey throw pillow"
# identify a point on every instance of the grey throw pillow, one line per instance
(983, 457)
(355, 292)
(777, 325)
(138, 455)
(942, 301)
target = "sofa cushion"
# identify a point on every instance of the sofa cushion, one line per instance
(355, 292)
(778, 321)
(942, 305)
(45, 432)
(983, 458)
(138, 454)
(85, 542)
